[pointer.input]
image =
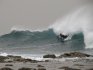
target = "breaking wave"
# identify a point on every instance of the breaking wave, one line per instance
(78, 25)
(46, 39)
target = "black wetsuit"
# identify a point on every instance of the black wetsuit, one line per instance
(63, 36)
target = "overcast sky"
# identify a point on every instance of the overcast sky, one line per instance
(34, 14)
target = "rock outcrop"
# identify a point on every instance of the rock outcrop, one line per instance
(49, 56)
(74, 54)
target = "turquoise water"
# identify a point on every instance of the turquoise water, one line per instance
(27, 42)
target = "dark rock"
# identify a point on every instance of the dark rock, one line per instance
(28, 60)
(40, 66)
(11, 56)
(49, 56)
(41, 69)
(67, 68)
(27, 68)
(78, 65)
(46, 60)
(6, 68)
(90, 69)
(34, 61)
(2, 58)
(18, 59)
(74, 54)
(8, 65)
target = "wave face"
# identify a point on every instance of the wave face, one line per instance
(28, 37)
(39, 42)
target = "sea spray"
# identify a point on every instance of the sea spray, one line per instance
(79, 21)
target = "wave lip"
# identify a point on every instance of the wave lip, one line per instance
(16, 28)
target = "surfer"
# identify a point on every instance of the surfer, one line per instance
(63, 36)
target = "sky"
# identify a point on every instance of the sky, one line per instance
(34, 14)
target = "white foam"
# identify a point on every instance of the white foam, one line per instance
(3, 54)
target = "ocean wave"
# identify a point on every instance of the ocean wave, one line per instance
(77, 25)
(45, 40)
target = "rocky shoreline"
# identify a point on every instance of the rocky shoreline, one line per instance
(66, 61)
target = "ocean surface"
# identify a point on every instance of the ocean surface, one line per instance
(27, 43)
(77, 25)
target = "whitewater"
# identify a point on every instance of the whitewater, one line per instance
(80, 20)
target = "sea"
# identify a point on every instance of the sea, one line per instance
(78, 25)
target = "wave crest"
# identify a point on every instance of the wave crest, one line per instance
(18, 28)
